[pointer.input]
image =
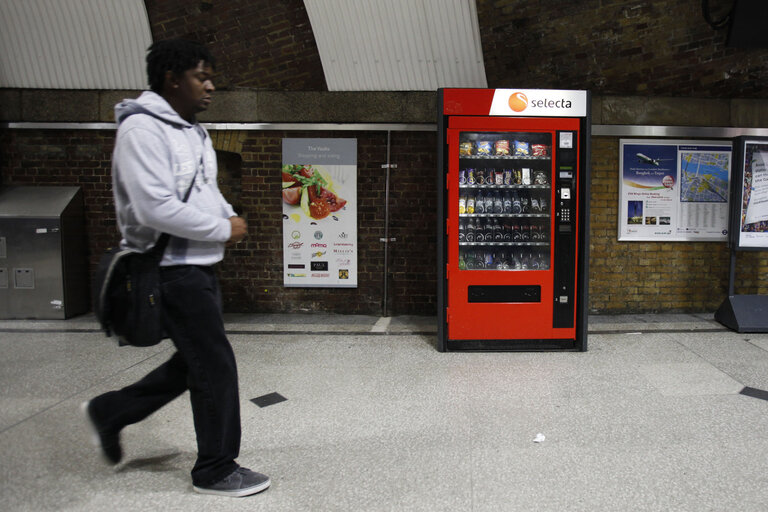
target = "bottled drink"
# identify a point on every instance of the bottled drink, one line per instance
(471, 202)
(498, 235)
(535, 206)
(507, 230)
(516, 206)
(535, 262)
(462, 204)
(480, 202)
(470, 231)
(488, 260)
(543, 203)
(517, 235)
(488, 230)
(498, 203)
(506, 202)
(543, 232)
(462, 263)
(525, 262)
(462, 231)
(469, 261)
(488, 202)
(525, 203)
(526, 233)
(534, 233)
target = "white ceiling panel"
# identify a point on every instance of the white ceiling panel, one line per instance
(398, 45)
(73, 44)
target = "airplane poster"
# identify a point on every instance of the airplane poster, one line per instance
(674, 190)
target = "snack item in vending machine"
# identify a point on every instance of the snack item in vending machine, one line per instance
(480, 176)
(462, 177)
(526, 172)
(502, 147)
(508, 177)
(471, 176)
(522, 148)
(484, 147)
(539, 150)
(518, 177)
(465, 148)
(540, 178)
(499, 175)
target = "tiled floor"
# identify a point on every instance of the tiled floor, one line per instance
(649, 418)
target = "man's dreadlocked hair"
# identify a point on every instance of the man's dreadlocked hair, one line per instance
(176, 55)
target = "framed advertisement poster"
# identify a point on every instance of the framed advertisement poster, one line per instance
(319, 198)
(674, 190)
(749, 217)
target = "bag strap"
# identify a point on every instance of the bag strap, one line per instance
(162, 241)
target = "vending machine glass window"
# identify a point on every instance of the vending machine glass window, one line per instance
(504, 203)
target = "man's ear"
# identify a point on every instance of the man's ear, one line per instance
(171, 80)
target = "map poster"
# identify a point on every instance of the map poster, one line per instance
(753, 226)
(674, 190)
(319, 202)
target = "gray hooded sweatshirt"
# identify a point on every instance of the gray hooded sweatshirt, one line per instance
(156, 155)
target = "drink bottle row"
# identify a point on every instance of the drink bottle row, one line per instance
(492, 176)
(489, 229)
(503, 201)
(516, 259)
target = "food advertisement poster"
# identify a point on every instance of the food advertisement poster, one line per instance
(319, 198)
(674, 190)
(753, 225)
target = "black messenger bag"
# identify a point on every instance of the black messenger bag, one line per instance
(127, 293)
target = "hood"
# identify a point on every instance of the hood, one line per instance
(149, 103)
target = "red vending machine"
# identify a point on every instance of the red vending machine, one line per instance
(513, 213)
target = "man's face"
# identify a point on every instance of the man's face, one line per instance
(193, 91)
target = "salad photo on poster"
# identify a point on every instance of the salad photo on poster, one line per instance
(312, 189)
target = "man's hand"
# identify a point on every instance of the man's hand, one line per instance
(239, 230)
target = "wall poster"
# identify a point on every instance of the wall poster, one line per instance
(753, 210)
(674, 190)
(319, 195)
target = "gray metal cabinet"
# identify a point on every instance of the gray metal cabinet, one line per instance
(43, 262)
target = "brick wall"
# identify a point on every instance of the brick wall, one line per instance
(660, 47)
(259, 43)
(252, 272)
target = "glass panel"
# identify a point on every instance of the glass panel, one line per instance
(505, 196)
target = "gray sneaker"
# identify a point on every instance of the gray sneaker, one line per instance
(241, 482)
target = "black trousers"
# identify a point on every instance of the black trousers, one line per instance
(204, 364)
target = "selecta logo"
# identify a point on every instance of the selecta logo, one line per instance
(538, 102)
(518, 101)
(295, 245)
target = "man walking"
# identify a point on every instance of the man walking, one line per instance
(160, 152)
